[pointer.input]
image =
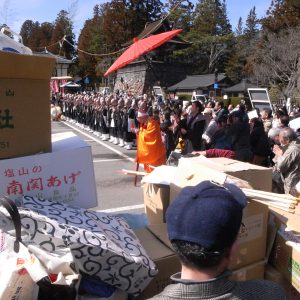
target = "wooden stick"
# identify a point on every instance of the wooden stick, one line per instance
(137, 168)
(263, 198)
(132, 172)
(285, 196)
(269, 197)
(282, 207)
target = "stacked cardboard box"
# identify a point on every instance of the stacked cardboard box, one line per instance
(51, 175)
(285, 255)
(25, 126)
(249, 260)
(260, 178)
(154, 239)
(28, 166)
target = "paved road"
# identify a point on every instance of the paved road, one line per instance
(116, 192)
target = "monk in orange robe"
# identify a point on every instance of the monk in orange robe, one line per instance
(150, 149)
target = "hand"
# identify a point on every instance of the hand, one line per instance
(199, 153)
(277, 150)
(183, 131)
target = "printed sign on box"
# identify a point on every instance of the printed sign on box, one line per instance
(65, 175)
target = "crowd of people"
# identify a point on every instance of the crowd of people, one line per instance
(211, 129)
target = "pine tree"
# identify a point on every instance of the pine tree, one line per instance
(45, 35)
(211, 36)
(245, 43)
(180, 14)
(251, 28)
(30, 34)
(239, 29)
(63, 27)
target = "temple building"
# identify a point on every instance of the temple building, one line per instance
(155, 67)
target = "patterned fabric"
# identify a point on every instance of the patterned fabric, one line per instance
(221, 288)
(102, 245)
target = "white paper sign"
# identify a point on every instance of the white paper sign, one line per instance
(65, 175)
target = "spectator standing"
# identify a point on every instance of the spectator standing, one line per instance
(239, 131)
(266, 117)
(288, 159)
(195, 128)
(259, 143)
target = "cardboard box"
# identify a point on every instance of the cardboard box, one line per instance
(291, 221)
(156, 190)
(251, 272)
(25, 126)
(259, 178)
(156, 200)
(153, 239)
(60, 175)
(274, 275)
(252, 239)
(285, 257)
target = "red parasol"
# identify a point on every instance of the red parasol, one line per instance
(140, 47)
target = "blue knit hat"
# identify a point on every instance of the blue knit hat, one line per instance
(207, 214)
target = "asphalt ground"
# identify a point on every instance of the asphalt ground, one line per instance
(116, 192)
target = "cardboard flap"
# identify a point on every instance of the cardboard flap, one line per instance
(161, 175)
(292, 221)
(190, 173)
(160, 231)
(153, 246)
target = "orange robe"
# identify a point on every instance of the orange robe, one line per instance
(150, 148)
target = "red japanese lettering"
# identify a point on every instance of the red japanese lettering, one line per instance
(35, 184)
(53, 181)
(36, 169)
(71, 178)
(23, 171)
(15, 188)
(9, 173)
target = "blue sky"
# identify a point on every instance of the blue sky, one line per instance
(15, 12)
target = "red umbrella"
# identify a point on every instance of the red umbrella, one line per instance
(140, 47)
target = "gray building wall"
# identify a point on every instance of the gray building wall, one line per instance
(139, 77)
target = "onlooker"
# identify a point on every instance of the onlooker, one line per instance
(211, 128)
(220, 110)
(203, 223)
(266, 116)
(288, 159)
(239, 132)
(195, 128)
(167, 133)
(259, 143)
(221, 139)
(283, 121)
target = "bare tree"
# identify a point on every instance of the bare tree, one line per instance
(276, 60)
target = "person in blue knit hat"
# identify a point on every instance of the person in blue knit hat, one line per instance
(203, 224)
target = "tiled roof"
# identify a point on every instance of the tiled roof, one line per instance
(193, 82)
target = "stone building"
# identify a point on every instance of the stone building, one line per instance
(154, 68)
